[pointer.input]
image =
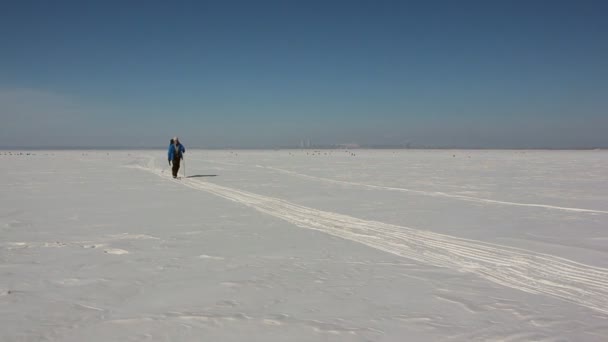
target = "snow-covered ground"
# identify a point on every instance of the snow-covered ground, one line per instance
(403, 245)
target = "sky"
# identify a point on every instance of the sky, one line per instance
(266, 74)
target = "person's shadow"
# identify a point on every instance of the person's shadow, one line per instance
(197, 176)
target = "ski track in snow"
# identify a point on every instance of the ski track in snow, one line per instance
(435, 193)
(516, 268)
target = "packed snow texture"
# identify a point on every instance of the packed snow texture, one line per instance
(304, 245)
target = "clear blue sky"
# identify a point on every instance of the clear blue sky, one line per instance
(271, 73)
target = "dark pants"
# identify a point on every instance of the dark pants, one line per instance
(175, 168)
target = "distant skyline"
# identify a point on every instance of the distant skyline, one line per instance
(267, 74)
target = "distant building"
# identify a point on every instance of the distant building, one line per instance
(350, 145)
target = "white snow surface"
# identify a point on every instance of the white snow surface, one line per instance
(304, 245)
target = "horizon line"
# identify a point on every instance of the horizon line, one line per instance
(328, 147)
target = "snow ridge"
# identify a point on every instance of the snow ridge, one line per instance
(516, 268)
(436, 193)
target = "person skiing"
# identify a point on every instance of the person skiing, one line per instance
(175, 155)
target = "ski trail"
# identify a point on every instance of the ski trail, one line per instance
(512, 267)
(436, 193)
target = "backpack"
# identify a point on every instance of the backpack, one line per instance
(177, 152)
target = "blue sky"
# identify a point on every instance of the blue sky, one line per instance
(271, 73)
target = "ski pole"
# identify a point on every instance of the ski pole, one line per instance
(184, 159)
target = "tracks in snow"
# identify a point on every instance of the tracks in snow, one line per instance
(512, 267)
(436, 193)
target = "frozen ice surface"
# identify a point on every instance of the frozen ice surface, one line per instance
(304, 245)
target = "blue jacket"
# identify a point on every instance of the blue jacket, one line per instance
(176, 152)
